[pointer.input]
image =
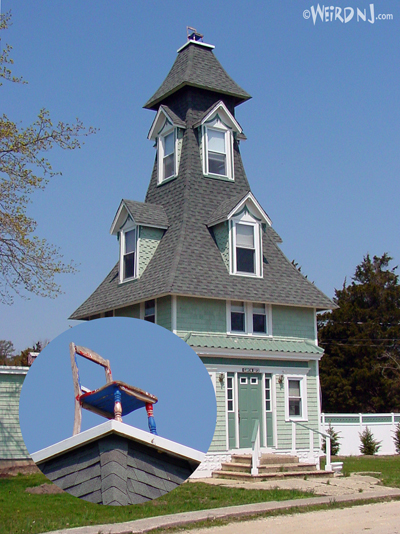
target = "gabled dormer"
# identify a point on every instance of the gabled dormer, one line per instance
(218, 130)
(243, 222)
(139, 228)
(167, 133)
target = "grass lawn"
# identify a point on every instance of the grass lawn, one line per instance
(22, 512)
(388, 466)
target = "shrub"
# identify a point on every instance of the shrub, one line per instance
(369, 445)
(335, 445)
(396, 438)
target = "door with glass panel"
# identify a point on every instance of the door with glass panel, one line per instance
(249, 406)
(268, 411)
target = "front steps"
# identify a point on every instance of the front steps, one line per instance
(272, 466)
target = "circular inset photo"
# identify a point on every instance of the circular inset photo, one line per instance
(117, 411)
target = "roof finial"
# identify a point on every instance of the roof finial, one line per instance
(193, 35)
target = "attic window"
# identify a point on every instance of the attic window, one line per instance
(167, 163)
(128, 247)
(216, 152)
(246, 248)
(217, 142)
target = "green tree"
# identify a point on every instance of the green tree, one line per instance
(360, 371)
(28, 264)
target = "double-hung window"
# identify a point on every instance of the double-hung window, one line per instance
(296, 397)
(238, 317)
(129, 248)
(150, 311)
(245, 248)
(247, 318)
(216, 154)
(169, 156)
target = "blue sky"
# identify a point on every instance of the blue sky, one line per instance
(322, 154)
(141, 354)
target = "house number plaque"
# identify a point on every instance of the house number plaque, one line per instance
(250, 369)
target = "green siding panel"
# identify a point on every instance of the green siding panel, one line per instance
(201, 315)
(12, 446)
(290, 321)
(221, 234)
(148, 242)
(219, 440)
(164, 312)
(129, 311)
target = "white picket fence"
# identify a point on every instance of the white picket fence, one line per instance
(349, 426)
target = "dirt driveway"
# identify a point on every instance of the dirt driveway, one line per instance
(381, 518)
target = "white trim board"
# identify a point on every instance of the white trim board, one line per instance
(122, 429)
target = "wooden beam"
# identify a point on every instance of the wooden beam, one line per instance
(96, 358)
(77, 391)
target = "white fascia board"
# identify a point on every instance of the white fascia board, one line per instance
(198, 43)
(251, 198)
(13, 370)
(115, 427)
(220, 105)
(255, 355)
(291, 371)
(156, 125)
(119, 217)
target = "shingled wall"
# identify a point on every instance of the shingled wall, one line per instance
(116, 471)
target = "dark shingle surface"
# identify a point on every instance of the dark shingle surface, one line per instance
(144, 213)
(197, 66)
(187, 260)
(173, 116)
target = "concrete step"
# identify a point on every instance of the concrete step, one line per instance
(278, 459)
(241, 459)
(234, 466)
(231, 475)
(282, 468)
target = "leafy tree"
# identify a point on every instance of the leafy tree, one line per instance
(396, 438)
(28, 263)
(360, 371)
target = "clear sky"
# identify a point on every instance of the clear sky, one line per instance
(141, 354)
(322, 154)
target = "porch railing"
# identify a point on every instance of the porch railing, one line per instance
(255, 448)
(312, 431)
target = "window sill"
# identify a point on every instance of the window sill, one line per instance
(127, 280)
(162, 182)
(248, 275)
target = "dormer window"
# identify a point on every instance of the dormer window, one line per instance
(216, 143)
(246, 246)
(128, 240)
(167, 156)
(218, 150)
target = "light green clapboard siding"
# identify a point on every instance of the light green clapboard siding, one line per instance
(201, 315)
(219, 440)
(290, 321)
(149, 239)
(164, 312)
(12, 446)
(221, 234)
(129, 311)
(284, 428)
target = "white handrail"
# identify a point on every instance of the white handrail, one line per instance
(255, 449)
(328, 465)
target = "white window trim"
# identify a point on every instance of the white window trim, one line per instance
(127, 227)
(218, 126)
(248, 320)
(303, 396)
(142, 309)
(161, 150)
(246, 219)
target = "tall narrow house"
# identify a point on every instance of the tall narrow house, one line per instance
(200, 257)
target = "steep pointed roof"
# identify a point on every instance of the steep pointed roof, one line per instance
(197, 66)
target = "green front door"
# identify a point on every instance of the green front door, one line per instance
(249, 389)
